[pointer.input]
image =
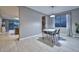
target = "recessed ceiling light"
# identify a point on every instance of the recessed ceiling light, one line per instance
(16, 18)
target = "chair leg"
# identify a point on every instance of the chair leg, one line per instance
(53, 41)
(58, 36)
(52, 38)
(42, 35)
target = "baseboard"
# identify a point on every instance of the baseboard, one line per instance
(76, 35)
(30, 37)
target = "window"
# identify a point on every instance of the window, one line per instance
(60, 21)
(13, 24)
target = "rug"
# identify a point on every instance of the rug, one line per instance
(49, 42)
(46, 40)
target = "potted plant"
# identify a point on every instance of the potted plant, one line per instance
(77, 27)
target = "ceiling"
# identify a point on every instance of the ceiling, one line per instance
(9, 12)
(52, 10)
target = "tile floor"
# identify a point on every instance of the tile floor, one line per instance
(33, 45)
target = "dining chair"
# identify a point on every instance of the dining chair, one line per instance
(47, 33)
(58, 33)
(53, 34)
(56, 36)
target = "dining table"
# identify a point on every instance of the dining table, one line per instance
(51, 32)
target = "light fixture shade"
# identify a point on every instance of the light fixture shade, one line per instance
(52, 6)
(52, 15)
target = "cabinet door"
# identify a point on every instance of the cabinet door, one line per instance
(17, 31)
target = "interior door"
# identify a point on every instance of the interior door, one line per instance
(43, 22)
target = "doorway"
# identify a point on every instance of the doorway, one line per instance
(9, 22)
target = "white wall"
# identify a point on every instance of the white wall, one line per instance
(47, 22)
(0, 23)
(75, 18)
(30, 22)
